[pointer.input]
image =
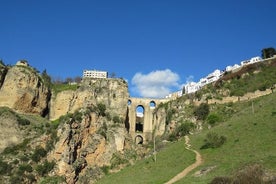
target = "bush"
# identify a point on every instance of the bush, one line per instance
(23, 121)
(38, 154)
(213, 140)
(105, 169)
(221, 180)
(116, 119)
(169, 115)
(45, 168)
(213, 118)
(172, 137)
(184, 128)
(101, 109)
(202, 111)
(252, 174)
(117, 159)
(77, 116)
(24, 167)
(102, 130)
(16, 179)
(5, 168)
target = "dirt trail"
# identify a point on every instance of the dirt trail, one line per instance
(190, 167)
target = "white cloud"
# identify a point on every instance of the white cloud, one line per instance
(156, 84)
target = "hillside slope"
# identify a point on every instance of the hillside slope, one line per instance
(251, 137)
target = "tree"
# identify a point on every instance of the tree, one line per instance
(57, 80)
(46, 78)
(268, 52)
(68, 80)
(202, 111)
(77, 79)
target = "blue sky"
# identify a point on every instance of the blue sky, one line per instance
(156, 45)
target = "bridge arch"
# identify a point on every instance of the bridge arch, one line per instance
(142, 119)
(152, 104)
(139, 139)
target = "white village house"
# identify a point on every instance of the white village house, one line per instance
(95, 74)
(231, 68)
(251, 61)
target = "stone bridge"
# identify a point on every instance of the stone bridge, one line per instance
(141, 118)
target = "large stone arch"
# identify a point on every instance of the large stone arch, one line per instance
(149, 119)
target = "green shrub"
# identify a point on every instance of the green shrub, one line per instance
(45, 167)
(213, 140)
(213, 118)
(23, 121)
(5, 168)
(102, 130)
(221, 180)
(237, 92)
(39, 153)
(105, 169)
(16, 179)
(65, 118)
(108, 116)
(24, 158)
(116, 119)
(10, 150)
(31, 178)
(101, 109)
(172, 137)
(24, 167)
(252, 174)
(77, 116)
(184, 128)
(117, 159)
(202, 111)
(169, 115)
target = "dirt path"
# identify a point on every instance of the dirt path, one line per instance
(190, 167)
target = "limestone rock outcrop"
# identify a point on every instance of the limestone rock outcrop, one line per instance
(113, 93)
(24, 91)
(89, 138)
(89, 142)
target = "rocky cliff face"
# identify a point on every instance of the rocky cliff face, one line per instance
(93, 129)
(23, 90)
(86, 143)
(113, 93)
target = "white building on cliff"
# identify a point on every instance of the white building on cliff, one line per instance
(95, 74)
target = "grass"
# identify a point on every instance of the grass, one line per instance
(170, 161)
(250, 136)
(64, 87)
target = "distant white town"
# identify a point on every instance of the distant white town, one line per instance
(193, 87)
